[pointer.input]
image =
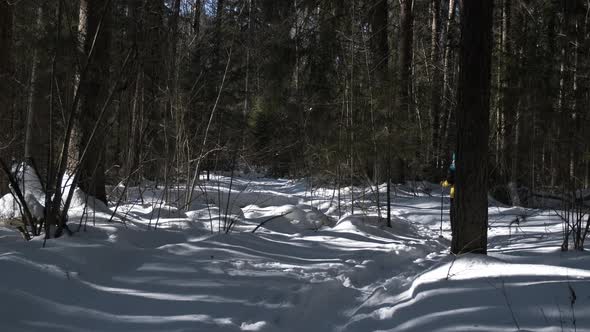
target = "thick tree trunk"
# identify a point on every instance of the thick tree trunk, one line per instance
(6, 29)
(379, 40)
(93, 35)
(404, 100)
(6, 16)
(196, 35)
(470, 235)
(154, 43)
(380, 45)
(6, 19)
(509, 118)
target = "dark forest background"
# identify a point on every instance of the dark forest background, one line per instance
(346, 92)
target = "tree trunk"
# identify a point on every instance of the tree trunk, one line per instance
(172, 80)
(581, 90)
(404, 109)
(218, 34)
(436, 87)
(563, 153)
(448, 77)
(6, 22)
(505, 121)
(153, 39)
(548, 95)
(31, 116)
(6, 18)
(379, 40)
(405, 58)
(197, 18)
(473, 107)
(134, 128)
(93, 35)
(194, 45)
(509, 118)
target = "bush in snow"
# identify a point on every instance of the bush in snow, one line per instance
(575, 214)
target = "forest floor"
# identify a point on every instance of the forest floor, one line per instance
(306, 269)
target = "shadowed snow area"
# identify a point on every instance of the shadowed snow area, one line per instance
(309, 267)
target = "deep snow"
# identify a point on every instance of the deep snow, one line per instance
(306, 269)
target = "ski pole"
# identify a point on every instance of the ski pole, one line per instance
(442, 203)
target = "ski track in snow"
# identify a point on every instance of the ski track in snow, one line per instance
(305, 270)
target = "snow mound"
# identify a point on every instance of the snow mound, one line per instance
(29, 182)
(503, 288)
(245, 198)
(268, 199)
(289, 219)
(158, 211)
(224, 204)
(81, 200)
(300, 271)
(31, 187)
(35, 207)
(10, 207)
(306, 217)
(32, 190)
(212, 220)
(375, 226)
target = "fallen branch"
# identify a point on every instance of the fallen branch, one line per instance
(269, 219)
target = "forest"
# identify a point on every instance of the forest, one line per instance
(234, 116)
(346, 93)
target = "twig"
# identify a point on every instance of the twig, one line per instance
(451, 266)
(270, 219)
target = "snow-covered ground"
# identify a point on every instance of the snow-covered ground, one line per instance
(305, 269)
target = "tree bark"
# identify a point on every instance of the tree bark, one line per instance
(563, 153)
(5, 34)
(405, 58)
(196, 35)
(6, 29)
(197, 18)
(172, 80)
(509, 118)
(93, 89)
(218, 33)
(437, 85)
(404, 101)
(379, 39)
(31, 116)
(153, 41)
(582, 96)
(473, 108)
(449, 72)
